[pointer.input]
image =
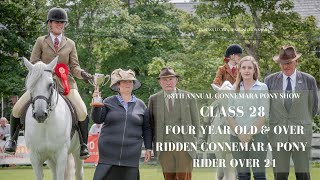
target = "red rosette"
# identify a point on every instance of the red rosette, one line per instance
(62, 72)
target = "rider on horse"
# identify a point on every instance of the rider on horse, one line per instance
(46, 49)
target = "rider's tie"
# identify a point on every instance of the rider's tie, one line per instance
(56, 44)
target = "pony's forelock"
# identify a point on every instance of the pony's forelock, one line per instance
(35, 75)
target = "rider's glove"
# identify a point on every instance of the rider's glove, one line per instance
(87, 76)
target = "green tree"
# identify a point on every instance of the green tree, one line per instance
(16, 39)
(262, 27)
(146, 31)
(19, 26)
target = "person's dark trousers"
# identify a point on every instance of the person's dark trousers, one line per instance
(244, 173)
(282, 164)
(15, 126)
(83, 136)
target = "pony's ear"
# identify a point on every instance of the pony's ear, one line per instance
(27, 63)
(53, 63)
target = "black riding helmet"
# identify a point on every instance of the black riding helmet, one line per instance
(233, 49)
(57, 14)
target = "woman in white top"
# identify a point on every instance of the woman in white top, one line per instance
(255, 110)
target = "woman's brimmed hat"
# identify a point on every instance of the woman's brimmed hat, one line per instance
(122, 75)
(287, 54)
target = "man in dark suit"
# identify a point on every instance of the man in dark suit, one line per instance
(167, 111)
(291, 113)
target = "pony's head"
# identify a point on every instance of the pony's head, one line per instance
(40, 84)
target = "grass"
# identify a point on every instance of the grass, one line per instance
(147, 172)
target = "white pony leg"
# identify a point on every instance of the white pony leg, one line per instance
(220, 170)
(78, 165)
(53, 167)
(230, 172)
(62, 157)
(37, 166)
(75, 149)
(69, 172)
(220, 173)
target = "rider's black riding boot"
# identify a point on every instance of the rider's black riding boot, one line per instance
(15, 126)
(83, 135)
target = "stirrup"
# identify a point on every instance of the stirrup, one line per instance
(84, 152)
(10, 147)
(85, 156)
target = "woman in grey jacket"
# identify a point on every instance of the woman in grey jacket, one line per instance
(126, 125)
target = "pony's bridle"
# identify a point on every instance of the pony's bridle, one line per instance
(48, 100)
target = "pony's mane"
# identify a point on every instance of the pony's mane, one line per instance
(35, 75)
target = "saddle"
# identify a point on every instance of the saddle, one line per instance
(71, 108)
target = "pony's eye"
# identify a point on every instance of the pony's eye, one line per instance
(50, 85)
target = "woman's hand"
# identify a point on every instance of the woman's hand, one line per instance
(244, 138)
(96, 93)
(250, 137)
(147, 155)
